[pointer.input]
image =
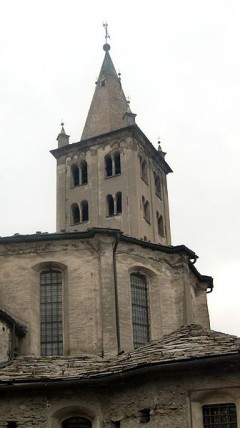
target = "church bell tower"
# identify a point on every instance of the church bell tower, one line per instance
(113, 177)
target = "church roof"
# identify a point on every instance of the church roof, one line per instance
(187, 344)
(109, 109)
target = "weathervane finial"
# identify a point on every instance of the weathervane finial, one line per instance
(107, 36)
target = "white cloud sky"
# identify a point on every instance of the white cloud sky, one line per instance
(180, 65)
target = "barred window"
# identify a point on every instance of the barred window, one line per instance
(140, 320)
(220, 416)
(77, 422)
(51, 313)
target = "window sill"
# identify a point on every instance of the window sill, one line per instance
(146, 219)
(112, 176)
(145, 181)
(113, 215)
(78, 185)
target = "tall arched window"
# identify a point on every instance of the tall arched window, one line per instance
(108, 166)
(75, 175)
(84, 208)
(51, 313)
(84, 172)
(119, 202)
(110, 206)
(117, 163)
(144, 171)
(75, 214)
(160, 224)
(140, 320)
(77, 422)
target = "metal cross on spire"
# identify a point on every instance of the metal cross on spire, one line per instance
(107, 36)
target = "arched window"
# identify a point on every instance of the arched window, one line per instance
(77, 422)
(119, 202)
(117, 163)
(75, 175)
(160, 224)
(51, 313)
(110, 206)
(144, 172)
(84, 208)
(140, 321)
(158, 189)
(75, 214)
(84, 172)
(108, 166)
(146, 211)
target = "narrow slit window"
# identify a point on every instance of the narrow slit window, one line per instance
(158, 189)
(146, 211)
(108, 166)
(110, 206)
(51, 313)
(85, 216)
(119, 202)
(117, 162)
(144, 171)
(75, 214)
(139, 298)
(84, 172)
(75, 175)
(160, 224)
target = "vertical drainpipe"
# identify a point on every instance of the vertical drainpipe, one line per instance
(116, 292)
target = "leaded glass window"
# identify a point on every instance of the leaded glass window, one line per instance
(77, 422)
(140, 319)
(220, 416)
(51, 313)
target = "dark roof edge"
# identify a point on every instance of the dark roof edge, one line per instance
(202, 278)
(20, 329)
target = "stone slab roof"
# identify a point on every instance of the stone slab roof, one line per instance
(186, 344)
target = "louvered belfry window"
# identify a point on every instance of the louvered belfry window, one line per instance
(220, 416)
(140, 319)
(51, 313)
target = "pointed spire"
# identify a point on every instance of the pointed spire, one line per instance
(109, 109)
(62, 138)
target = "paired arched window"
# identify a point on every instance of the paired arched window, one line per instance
(113, 164)
(79, 173)
(51, 313)
(77, 422)
(144, 170)
(79, 214)
(158, 186)
(114, 204)
(160, 224)
(146, 210)
(140, 317)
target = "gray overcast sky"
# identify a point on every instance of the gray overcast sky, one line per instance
(180, 65)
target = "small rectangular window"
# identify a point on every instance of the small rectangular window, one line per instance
(222, 415)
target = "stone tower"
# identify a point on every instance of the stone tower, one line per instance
(113, 177)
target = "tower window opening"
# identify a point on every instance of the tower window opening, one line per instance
(77, 422)
(139, 298)
(160, 224)
(222, 415)
(146, 211)
(51, 313)
(115, 424)
(75, 214)
(110, 206)
(144, 171)
(84, 172)
(108, 166)
(75, 175)
(84, 207)
(117, 163)
(12, 424)
(119, 202)
(158, 189)
(144, 416)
